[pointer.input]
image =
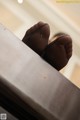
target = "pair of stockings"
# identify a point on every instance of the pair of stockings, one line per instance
(57, 53)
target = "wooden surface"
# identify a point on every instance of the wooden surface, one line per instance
(27, 78)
